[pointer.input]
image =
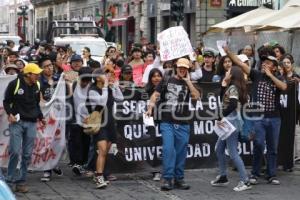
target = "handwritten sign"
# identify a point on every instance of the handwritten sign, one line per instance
(174, 43)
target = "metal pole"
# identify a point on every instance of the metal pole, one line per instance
(104, 15)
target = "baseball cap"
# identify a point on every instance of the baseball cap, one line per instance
(85, 73)
(11, 66)
(208, 53)
(126, 68)
(183, 62)
(271, 58)
(76, 57)
(32, 68)
(243, 57)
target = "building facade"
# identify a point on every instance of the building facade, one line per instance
(130, 20)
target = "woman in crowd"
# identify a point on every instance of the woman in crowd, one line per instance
(110, 53)
(234, 96)
(102, 95)
(225, 65)
(288, 140)
(126, 79)
(155, 76)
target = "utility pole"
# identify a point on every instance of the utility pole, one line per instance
(104, 17)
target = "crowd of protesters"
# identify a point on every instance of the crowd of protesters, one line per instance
(169, 83)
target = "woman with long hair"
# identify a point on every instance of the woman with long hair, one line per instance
(234, 97)
(155, 77)
(224, 65)
(288, 140)
(102, 95)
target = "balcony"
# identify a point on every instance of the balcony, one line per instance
(47, 2)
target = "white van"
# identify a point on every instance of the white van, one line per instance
(97, 45)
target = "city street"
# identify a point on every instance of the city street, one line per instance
(140, 186)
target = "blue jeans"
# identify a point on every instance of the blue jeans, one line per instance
(175, 140)
(231, 144)
(267, 132)
(22, 137)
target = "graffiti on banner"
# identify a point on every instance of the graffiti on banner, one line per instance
(50, 141)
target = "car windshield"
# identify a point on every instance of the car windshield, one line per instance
(97, 48)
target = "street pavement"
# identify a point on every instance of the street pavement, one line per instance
(140, 186)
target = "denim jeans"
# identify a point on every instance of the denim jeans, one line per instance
(267, 132)
(175, 140)
(22, 137)
(231, 144)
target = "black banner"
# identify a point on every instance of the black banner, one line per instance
(139, 148)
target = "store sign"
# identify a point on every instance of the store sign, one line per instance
(248, 3)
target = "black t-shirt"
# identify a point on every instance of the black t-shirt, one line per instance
(47, 90)
(207, 76)
(265, 94)
(174, 101)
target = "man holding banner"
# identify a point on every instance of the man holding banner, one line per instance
(21, 103)
(175, 122)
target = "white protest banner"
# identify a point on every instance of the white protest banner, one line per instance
(50, 141)
(174, 43)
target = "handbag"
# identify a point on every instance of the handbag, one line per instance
(92, 123)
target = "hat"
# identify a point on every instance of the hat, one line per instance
(271, 58)
(33, 58)
(76, 57)
(243, 57)
(32, 68)
(208, 53)
(183, 62)
(11, 66)
(126, 68)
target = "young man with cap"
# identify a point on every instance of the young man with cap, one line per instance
(175, 122)
(21, 103)
(208, 68)
(266, 100)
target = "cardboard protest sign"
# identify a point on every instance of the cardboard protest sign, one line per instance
(174, 43)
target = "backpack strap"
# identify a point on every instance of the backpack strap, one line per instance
(17, 86)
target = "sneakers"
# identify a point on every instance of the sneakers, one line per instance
(156, 176)
(100, 182)
(78, 170)
(273, 181)
(220, 181)
(166, 185)
(57, 171)
(253, 180)
(21, 188)
(242, 186)
(46, 176)
(89, 174)
(111, 178)
(181, 184)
